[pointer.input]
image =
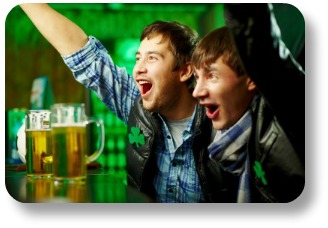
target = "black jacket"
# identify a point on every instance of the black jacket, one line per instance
(141, 163)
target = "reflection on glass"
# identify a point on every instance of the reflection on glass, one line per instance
(71, 192)
(39, 190)
(48, 190)
(96, 189)
(109, 191)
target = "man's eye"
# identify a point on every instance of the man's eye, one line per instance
(212, 76)
(152, 58)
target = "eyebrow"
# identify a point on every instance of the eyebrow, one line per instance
(209, 69)
(151, 52)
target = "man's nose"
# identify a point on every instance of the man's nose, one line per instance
(140, 67)
(200, 89)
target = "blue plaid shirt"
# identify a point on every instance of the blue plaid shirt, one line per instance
(177, 179)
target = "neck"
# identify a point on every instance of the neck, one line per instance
(183, 107)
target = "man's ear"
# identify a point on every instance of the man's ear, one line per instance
(186, 72)
(250, 84)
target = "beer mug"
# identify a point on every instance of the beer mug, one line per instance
(38, 143)
(69, 141)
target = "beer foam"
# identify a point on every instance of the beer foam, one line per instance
(29, 130)
(68, 125)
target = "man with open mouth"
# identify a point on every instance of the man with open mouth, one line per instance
(168, 131)
(256, 103)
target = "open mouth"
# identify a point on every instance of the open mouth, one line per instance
(145, 86)
(212, 111)
(212, 108)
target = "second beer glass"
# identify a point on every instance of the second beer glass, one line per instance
(69, 141)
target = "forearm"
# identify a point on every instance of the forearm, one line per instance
(93, 67)
(65, 36)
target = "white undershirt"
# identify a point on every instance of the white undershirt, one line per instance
(176, 128)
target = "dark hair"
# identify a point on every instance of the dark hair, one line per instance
(215, 44)
(182, 39)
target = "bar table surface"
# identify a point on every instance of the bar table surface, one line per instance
(99, 187)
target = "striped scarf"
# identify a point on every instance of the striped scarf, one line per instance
(229, 149)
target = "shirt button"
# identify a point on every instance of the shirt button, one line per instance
(169, 136)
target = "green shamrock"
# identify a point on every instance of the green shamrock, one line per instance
(136, 137)
(259, 172)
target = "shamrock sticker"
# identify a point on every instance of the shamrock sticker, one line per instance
(136, 137)
(259, 172)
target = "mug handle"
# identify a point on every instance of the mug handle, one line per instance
(101, 133)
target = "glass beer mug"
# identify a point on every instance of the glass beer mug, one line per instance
(38, 143)
(69, 141)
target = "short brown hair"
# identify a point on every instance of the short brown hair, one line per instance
(182, 39)
(214, 45)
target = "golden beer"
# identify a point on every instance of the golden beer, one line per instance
(69, 151)
(38, 153)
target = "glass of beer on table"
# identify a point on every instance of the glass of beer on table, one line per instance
(38, 144)
(69, 141)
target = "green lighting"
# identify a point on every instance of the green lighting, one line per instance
(112, 160)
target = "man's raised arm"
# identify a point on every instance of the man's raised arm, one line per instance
(64, 35)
